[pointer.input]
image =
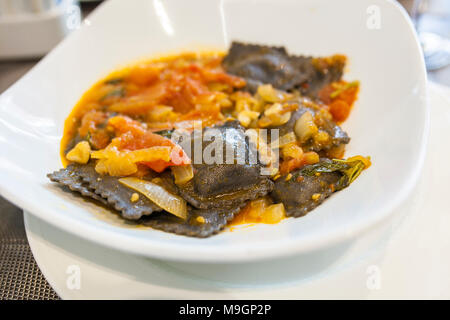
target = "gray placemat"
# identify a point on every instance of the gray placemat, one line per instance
(20, 277)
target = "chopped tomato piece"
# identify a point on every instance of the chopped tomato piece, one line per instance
(89, 129)
(99, 139)
(123, 125)
(287, 166)
(90, 121)
(133, 136)
(339, 96)
(142, 101)
(340, 110)
(143, 74)
(349, 95)
(325, 94)
(158, 165)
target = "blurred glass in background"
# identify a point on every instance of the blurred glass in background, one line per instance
(432, 21)
(31, 28)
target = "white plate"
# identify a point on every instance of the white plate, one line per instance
(389, 122)
(411, 260)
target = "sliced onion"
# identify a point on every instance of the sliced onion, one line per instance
(169, 202)
(182, 174)
(269, 94)
(305, 127)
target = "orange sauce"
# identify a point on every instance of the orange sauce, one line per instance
(136, 89)
(143, 86)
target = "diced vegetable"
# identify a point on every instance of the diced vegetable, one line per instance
(253, 211)
(274, 213)
(292, 151)
(340, 96)
(275, 115)
(284, 118)
(289, 165)
(143, 101)
(141, 155)
(123, 163)
(261, 211)
(145, 74)
(311, 157)
(341, 88)
(91, 128)
(273, 110)
(305, 127)
(182, 174)
(133, 136)
(340, 110)
(169, 202)
(113, 167)
(288, 138)
(246, 117)
(134, 197)
(269, 94)
(321, 137)
(80, 153)
(161, 113)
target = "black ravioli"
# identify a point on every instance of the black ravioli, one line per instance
(262, 64)
(228, 200)
(70, 179)
(227, 185)
(214, 221)
(297, 193)
(318, 72)
(116, 195)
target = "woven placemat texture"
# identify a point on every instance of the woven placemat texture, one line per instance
(20, 277)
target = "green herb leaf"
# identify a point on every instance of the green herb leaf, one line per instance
(114, 81)
(341, 89)
(350, 170)
(355, 167)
